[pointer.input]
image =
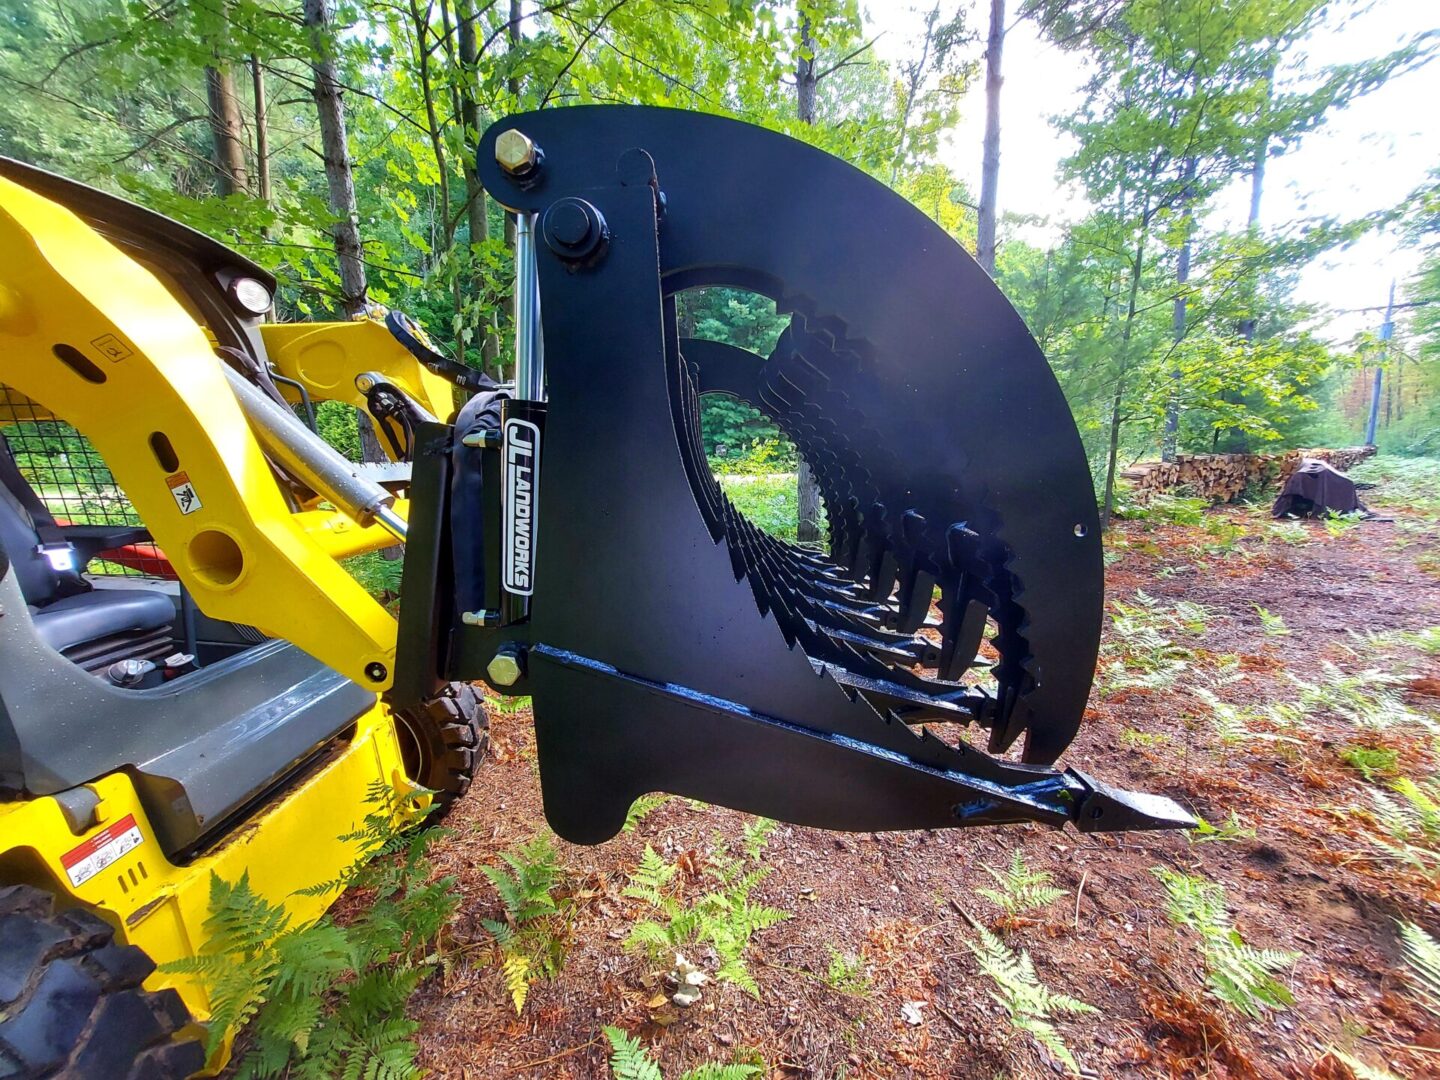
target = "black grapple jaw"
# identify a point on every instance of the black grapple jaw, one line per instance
(668, 644)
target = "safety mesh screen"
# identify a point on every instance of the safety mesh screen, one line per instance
(72, 480)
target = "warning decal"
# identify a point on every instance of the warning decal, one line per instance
(184, 492)
(105, 847)
(112, 348)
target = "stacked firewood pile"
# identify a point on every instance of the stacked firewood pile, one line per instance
(1221, 477)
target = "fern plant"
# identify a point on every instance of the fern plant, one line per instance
(649, 878)
(506, 704)
(1141, 653)
(1238, 974)
(1290, 532)
(531, 940)
(846, 973)
(1230, 721)
(1422, 954)
(324, 1000)
(1231, 829)
(1021, 888)
(725, 919)
(1427, 640)
(755, 836)
(1338, 525)
(629, 1060)
(1409, 818)
(525, 890)
(642, 808)
(1270, 622)
(1030, 1005)
(1368, 699)
(1371, 762)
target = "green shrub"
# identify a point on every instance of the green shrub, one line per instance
(770, 502)
(339, 425)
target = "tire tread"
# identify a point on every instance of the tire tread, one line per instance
(83, 1012)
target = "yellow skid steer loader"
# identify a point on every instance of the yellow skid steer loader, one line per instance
(191, 683)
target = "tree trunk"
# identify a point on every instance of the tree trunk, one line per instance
(807, 491)
(1137, 270)
(805, 74)
(476, 209)
(262, 131)
(1108, 510)
(334, 145)
(1257, 190)
(226, 131)
(1170, 443)
(990, 167)
(432, 118)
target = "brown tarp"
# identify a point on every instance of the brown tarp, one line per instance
(1315, 489)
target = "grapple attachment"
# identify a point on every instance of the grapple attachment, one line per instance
(666, 642)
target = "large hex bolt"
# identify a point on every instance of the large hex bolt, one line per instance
(506, 668)
(517, 153)
(574, 229)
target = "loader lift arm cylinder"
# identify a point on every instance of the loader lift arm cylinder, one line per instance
(313, 461)
(529, 340)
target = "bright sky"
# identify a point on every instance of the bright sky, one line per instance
(1366, 158)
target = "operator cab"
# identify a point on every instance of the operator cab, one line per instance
(99, 592)
(95, 628)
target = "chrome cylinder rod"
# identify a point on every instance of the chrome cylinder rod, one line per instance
(529, 344)
(313, 461)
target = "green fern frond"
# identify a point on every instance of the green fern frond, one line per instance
(1422, 953)
(309, 961)
(1029, 1004)
(846, 973)
(733, 970)
(712, 1071)
(650, 936)
(1021, 888)
(502, 932)
(628, 1059)
(1237, 973)
(534, 873)
(642, 808)
(649, 877)
(755, 836)
(236, 962)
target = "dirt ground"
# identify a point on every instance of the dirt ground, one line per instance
(1311, 880)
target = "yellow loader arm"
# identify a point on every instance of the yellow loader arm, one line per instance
(118, 334)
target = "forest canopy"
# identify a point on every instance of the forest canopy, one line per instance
(333, 143)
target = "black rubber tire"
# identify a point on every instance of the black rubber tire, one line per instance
(443, 742)
(72, 1004)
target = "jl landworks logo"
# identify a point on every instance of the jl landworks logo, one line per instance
(522, 467)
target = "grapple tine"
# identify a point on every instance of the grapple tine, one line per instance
(672, 645)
